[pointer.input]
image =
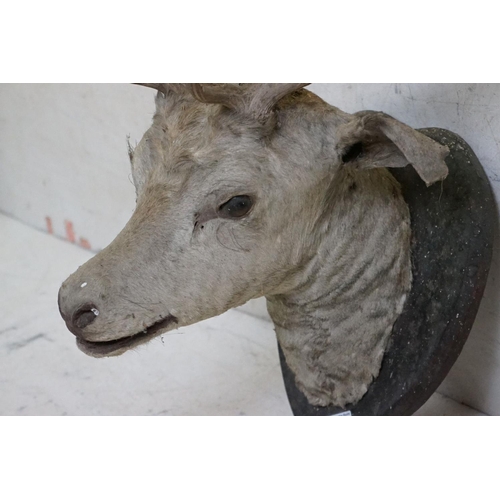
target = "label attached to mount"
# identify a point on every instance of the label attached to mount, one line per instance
(342, 414)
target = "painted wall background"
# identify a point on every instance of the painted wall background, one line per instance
(64, 169)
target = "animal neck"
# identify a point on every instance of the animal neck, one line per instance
(334, 324)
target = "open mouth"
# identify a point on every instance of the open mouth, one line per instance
(119, 346)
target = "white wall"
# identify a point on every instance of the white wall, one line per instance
(63, 156)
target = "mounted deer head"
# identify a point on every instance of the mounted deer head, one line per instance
(258, 190)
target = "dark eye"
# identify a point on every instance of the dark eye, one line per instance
(236, 207)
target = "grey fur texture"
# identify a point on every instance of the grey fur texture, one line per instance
(326, 240)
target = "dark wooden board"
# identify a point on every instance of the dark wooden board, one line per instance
(452, 240)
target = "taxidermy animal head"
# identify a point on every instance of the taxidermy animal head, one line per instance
(257, 190)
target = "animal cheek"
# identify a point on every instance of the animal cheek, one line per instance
(232, 238)
(204, 231)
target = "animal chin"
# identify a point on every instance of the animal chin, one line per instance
(121, 345)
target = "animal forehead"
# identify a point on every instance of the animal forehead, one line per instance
(208, 167)
(202, 139)
(188, 119)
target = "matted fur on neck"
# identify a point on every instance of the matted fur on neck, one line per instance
(335, 324)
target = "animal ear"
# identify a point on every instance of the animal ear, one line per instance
(373, 139)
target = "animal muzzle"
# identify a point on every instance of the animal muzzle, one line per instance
(106, 320)
(77, 309)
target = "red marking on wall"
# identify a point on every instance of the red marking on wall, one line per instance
(50, 227)
(70, 232)
(85, 243)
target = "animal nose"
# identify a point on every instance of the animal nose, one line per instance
(78, 318)
(84, 316)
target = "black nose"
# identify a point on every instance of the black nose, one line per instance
(82, 317)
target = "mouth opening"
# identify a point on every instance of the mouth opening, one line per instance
(118, 346)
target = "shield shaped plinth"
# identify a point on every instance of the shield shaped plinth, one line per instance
(452, 239)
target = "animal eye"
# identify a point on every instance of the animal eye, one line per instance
(236, 207)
